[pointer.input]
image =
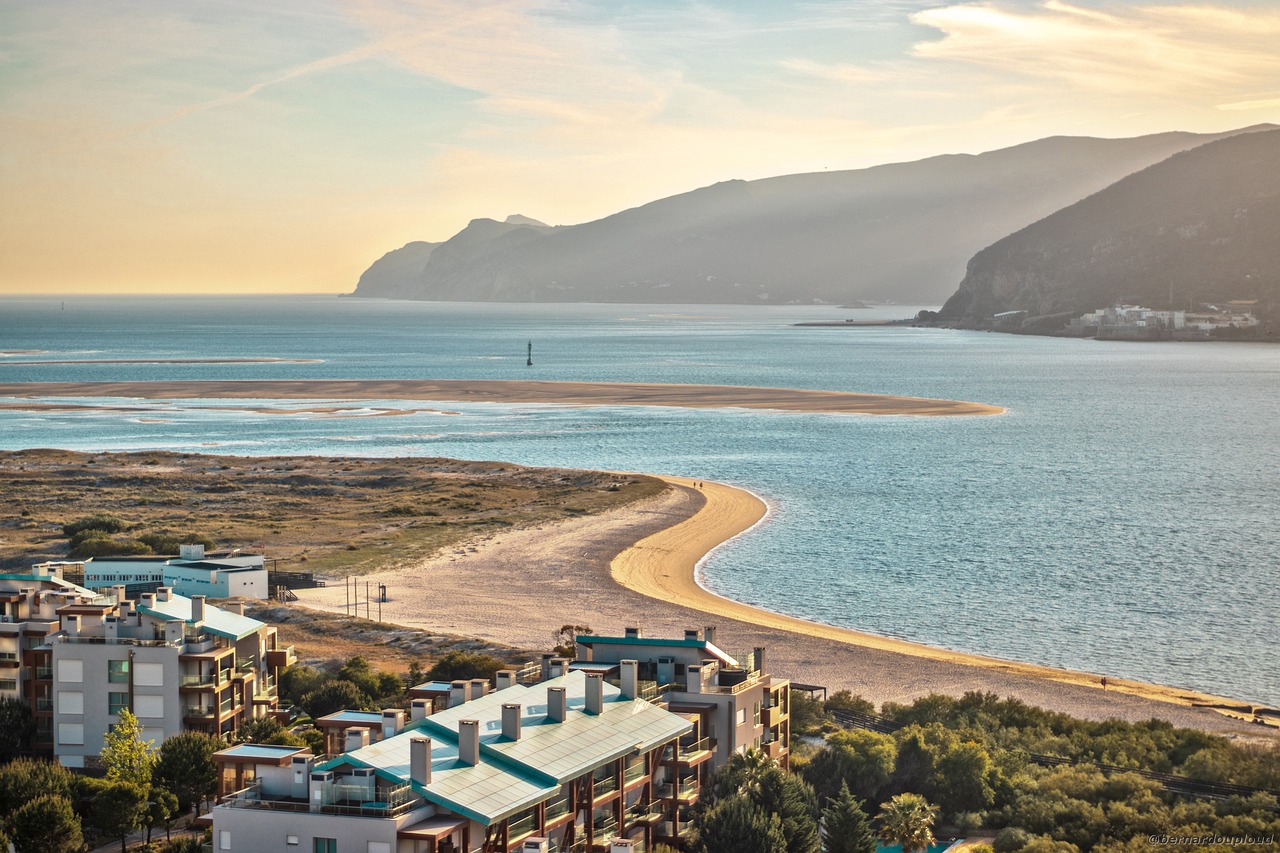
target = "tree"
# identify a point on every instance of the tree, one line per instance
(259, 730)
(120, 809)
(334, 696)
(845, 826)
(162, 809)
(771, 791)
(737, 825)
(24, 779)
(807, 713)
(861, 760)
(299, 680)
(459, 664)
(185, 767)
(126, 757)
(565, 641)
(907, 819)
(844, 700)
(46, 824)
(17, 726)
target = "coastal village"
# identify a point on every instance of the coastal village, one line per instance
(612, 742)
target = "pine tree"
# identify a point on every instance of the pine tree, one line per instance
(845, 826)
(126, 757)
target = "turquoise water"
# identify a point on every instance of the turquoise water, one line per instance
(897, 848)
(1121, 518)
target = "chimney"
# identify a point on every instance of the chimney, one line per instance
(197, 608)
(691, 634)
(511, 721)
(110, 628)
(71, 624)
(354, 738)
(420, 760)
(392, 722)
(459, 693)
(631, 633)
(173, 632)
(693, 679)
(559, 666)
(709, 633)
(546, 665)
(469, 742)
(760, 660)
(118, 592)
(595, 693)
(419, 709)
(236, 607)
(164, 593)
(557, 704)
(479, 687)
(630, 678)
(147, 599)
(506, 678)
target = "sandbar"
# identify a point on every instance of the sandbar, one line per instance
(635, 566)
(512, 391)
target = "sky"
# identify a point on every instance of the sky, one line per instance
(175, 146)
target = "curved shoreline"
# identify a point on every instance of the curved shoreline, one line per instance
(665, 566)
(514, 391)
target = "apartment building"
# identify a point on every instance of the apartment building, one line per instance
(177, 663)
(572, 763)
(29, 605)
(737, 703)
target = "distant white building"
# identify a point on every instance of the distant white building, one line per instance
(239, 576)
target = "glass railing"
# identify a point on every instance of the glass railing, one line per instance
(604, 786)
(44, 703)
(557, 808)
(633, 772)
(688, 752)
(604, 827)
(247, 665)
(522, 826)
(687, 788)
(44, 673)
(200, 713)
(207, 678)
(643, 811)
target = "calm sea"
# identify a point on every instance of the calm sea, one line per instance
(1121, 518)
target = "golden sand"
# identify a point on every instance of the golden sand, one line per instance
(511, 391)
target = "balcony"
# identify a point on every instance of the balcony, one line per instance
(247, 665)
(207, 680)
(44, 673)
(696, 752)
(556, 809)
(44, 703)
(117, 641)
(280, 658)
(643, 812)
(199, 713)
(524, 825)
(634, 773)
(771, 716)
(604, 787)
(774, 749)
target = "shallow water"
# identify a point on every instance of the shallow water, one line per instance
(1121, 518)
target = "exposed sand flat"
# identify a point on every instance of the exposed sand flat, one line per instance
(520, 587)
(230, 360)
(511, 391)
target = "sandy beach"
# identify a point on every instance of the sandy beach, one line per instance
(511, 391)
(636, 566)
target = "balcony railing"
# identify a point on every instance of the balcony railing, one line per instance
(604, 786)
(198, 713)
(633, 772)
(522, 826)
(557, 808)
(44, 703)
(643, 811)
(44, 673)
(696, 749)
(207, 679)
(117, 641)
(246, 665)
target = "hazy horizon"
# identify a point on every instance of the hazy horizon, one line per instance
(182, 149)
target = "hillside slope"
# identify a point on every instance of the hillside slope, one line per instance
(1202, 226)
(898, 232)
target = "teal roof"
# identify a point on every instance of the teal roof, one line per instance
(514, 774)
(716, 651)
(224, 623)
(65, 585)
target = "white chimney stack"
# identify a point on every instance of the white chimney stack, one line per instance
(419, 709)
(420, 760)
(511, 721)
(197, 608)
(469, 742)
(557, 704)
(629, 678)
(506, 678)
(595, 693)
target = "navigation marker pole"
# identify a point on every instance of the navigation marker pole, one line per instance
(529, 362)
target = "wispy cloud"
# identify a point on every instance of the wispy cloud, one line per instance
(1160, 50)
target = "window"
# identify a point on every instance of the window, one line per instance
(8, 684)
(224, 839)
(117, 702)
(742, 716)
(757, 713)
(71, 733)
(70, 702)
(324, 845)
(71, 670)
(149, 674)
(118, 671)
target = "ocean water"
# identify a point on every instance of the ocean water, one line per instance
(1120, 519)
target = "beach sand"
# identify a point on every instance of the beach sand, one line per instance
(511, 391)
(635, 567)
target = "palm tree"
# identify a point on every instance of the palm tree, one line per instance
(907, 819)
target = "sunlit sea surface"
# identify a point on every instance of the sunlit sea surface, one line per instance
(1122, 518)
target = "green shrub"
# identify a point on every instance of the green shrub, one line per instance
(104, 546)
(99, 521)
